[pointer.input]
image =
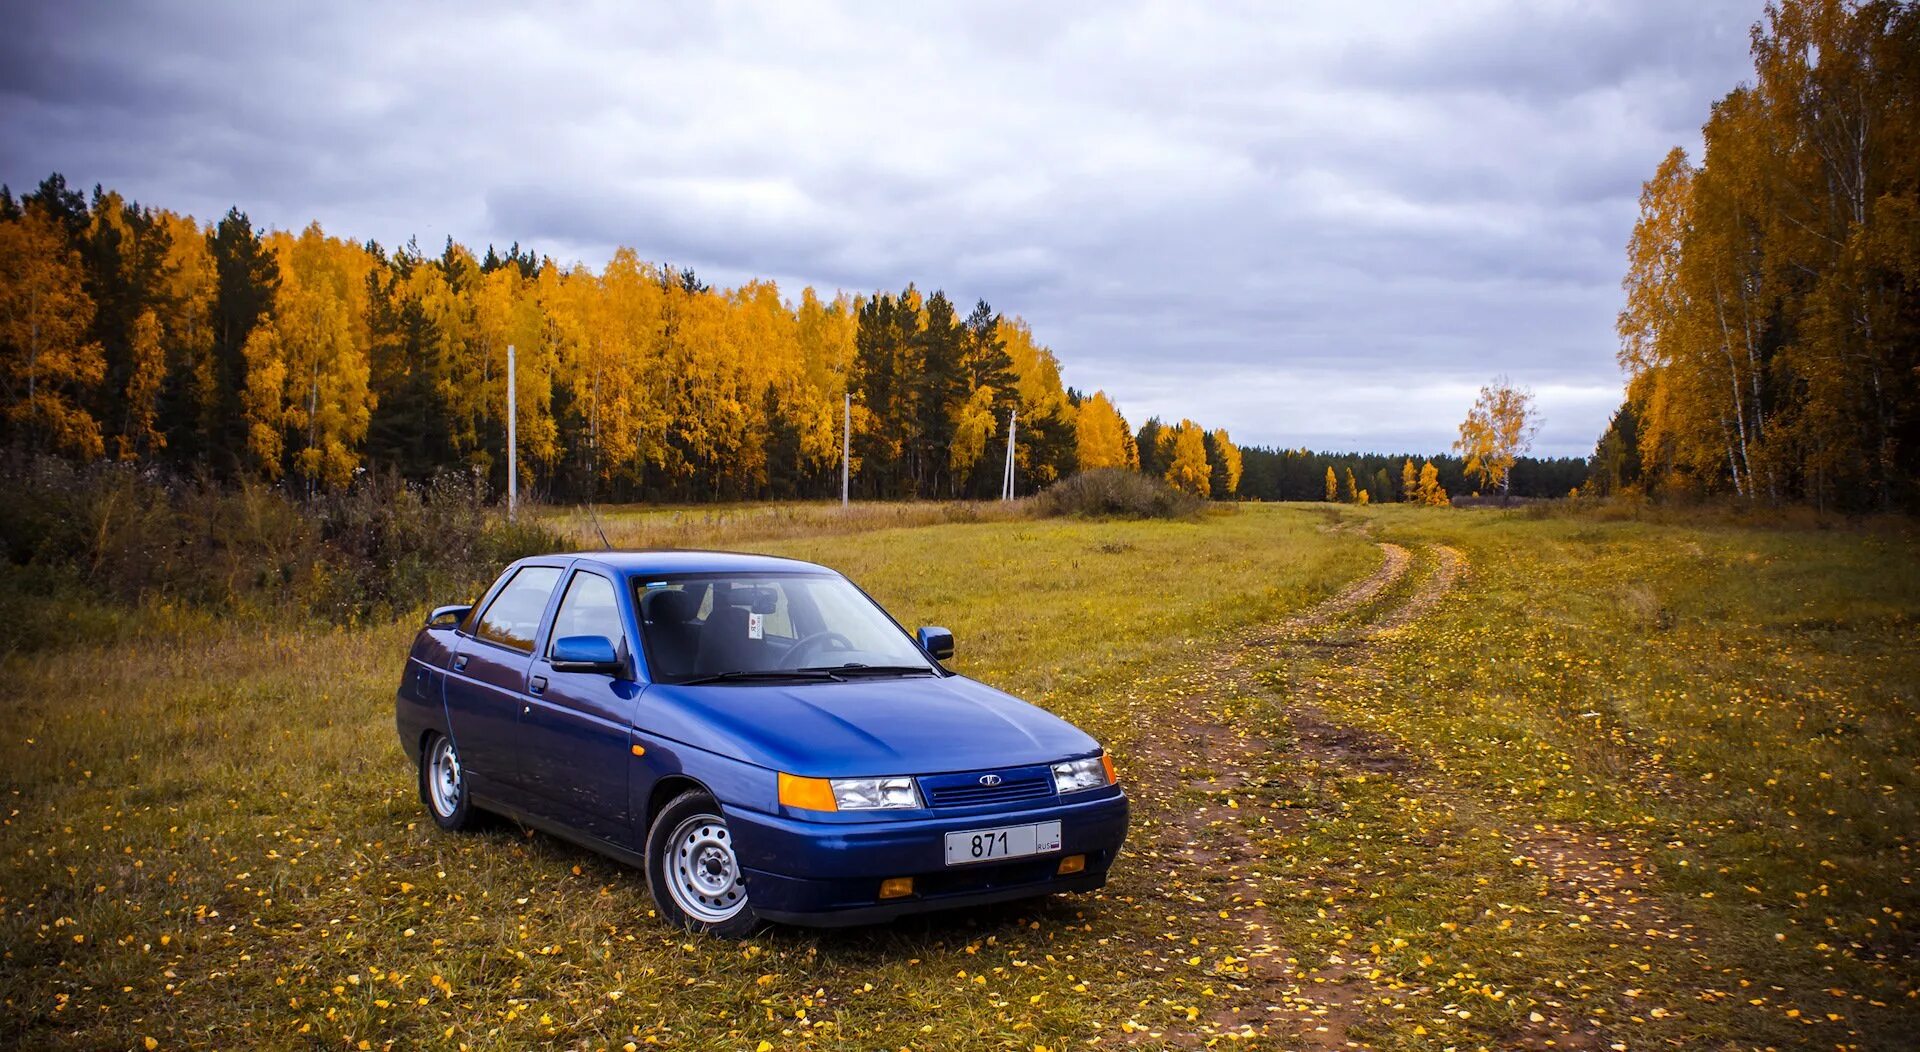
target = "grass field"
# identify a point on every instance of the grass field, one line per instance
(1403, 778)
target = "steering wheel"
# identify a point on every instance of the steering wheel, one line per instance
(808, 643)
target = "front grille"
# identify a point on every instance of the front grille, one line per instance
(966, 790)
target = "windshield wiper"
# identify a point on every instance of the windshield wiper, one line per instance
(855, 668)
(750, 675)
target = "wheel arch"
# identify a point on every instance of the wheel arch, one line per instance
(666, 789)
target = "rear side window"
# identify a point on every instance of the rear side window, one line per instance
(513, 618)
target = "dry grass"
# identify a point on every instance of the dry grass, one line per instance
(1654, 783)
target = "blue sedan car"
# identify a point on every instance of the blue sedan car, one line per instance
(757, 734)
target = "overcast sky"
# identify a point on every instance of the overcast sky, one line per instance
(1314, 224)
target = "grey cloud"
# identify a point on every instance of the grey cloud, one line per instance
(1205, 209)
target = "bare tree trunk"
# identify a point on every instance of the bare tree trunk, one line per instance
(1733, 381)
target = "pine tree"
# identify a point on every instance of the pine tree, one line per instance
(246, 279)
(939, 393)
(992, 396)
(1150, 449)
(1226, 464)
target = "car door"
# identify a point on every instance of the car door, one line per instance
(487, 679)
(575, 734)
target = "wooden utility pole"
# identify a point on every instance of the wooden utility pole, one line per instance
(1006, 479)
(513, 451)
(846, 448)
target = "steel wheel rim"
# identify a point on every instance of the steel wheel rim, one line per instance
(443, 778)
(703, 874)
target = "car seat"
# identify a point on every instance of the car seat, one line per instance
(673, 637)
(724, 643)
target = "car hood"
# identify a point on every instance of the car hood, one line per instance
(913, 725)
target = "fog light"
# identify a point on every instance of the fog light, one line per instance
(1071, 864)
(896, 887)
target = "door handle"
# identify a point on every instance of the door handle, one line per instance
(538, 686)
(459, 662)
(526, 710)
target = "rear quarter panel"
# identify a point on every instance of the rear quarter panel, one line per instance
(420, 702)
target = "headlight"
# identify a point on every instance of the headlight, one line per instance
(869, 794)
(847, 794)
(1073, 776)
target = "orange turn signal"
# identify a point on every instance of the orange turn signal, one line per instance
(1071, 864)
(896, 887)
(1106, 760)
(639, 750)
(810, 794)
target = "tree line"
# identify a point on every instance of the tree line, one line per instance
(1301, 474)
(1771, 332)
(135, 334)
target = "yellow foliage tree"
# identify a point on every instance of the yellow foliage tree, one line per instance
(1101, 435)
(1351, 490)
(320, 320)
(1409, 481)
(1430, 491)
(147, 372)
(972, 426)
(264, 400)
(1497, 430)
(1333, 485)
(1230, 465)
(47, 364)
(1188, 469)
(186, 313)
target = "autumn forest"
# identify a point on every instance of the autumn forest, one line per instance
(1771, 333)
(1768, 337)
(136, 334)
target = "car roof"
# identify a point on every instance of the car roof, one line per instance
(678, 561)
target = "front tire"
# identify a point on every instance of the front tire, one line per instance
(694, 871)
(443, 784)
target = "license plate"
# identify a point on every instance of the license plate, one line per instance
(992, 845)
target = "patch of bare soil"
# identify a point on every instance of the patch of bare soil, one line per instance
(1450, 565)
(1216, 754)
(1393, 566)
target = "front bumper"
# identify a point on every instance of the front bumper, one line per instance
(826, 874)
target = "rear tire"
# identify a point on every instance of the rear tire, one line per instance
(443, 785)
(693, 870)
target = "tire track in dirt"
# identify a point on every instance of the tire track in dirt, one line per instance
(1217, 751)
(1450, 566)
(1224, 749)
(1394, 564)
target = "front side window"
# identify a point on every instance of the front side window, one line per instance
(588, 609)
(513, 618)
(701, 628)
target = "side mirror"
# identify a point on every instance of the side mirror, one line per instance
(585, 654)
(936, 641)
(449, 615)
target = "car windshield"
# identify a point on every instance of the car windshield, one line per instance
(725, 628)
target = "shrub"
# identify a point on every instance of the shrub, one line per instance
(1116, 493)
(377, 549)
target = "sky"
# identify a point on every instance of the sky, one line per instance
(1314, 224)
